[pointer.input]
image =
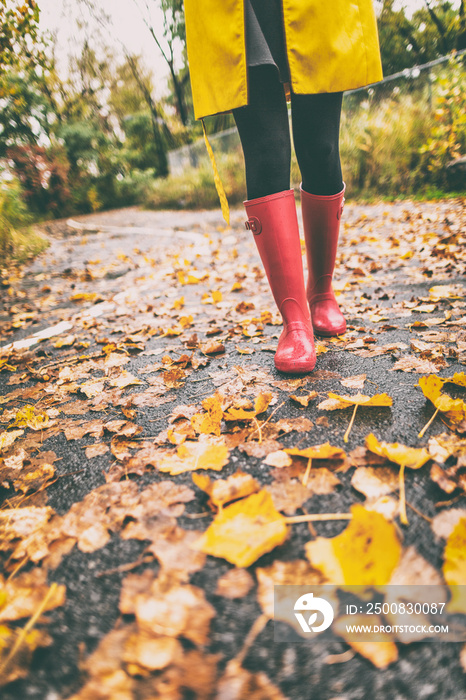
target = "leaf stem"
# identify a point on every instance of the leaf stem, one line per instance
(317, 517)
(307, 472)
(403, 516)
(421, 434)
(345, 437)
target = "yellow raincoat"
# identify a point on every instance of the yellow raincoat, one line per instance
(331, 45)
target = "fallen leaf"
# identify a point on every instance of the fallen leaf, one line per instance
(336, 401)
(411, 363)
(236, 583)
(445, 522)
(304, 400)
(195, 455)
(245, 530)
(454, 410)
(260, 405)
(374, 482)
(222, 491)
(454, 567)
(365, 553)
(355, 382)
(21, 596)
(283, 573)
(380, 653)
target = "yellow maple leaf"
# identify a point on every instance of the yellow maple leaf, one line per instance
(210, 422)
(260, 405)
(454, 567)
(245, 530)
(337, 401)
(195, 455)
(325, 451)
(364, 554)
(454, 409)
(410, 457)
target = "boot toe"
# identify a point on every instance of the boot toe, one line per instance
(296, 353)
(327, 319)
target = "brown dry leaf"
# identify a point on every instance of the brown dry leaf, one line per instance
(8, 438)
(173, 549)
(411, 363)
(278, 459)
(239, 684)
(172, 378)
(145, 652)
(414, 571)
(96, 450)
(375, 482)
(222, 491)
(445, 522)
(441, 447)
(381, 654)
(19, 524)
(365, 553)
(174, 610)
(76, 431)
(304, 400)
(245, 530)
(446, 479)
(212, 347)
(236, 583)
(195, 455)
(259, 449)
(124, 379)
(290, 494)
(454, 567)
(21, 596)
(355, 382)
(93, 387)
(283, 573)
(30, 477)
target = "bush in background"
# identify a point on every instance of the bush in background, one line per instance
(18, 241)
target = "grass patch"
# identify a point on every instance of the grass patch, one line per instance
(19, 241)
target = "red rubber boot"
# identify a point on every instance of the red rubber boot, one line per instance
(321, 220)
(274, 223)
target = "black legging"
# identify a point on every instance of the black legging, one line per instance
(265, 137)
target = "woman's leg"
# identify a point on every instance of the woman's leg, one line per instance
(316, 126)
(264, 131)
(316, 137)
(265, 134)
